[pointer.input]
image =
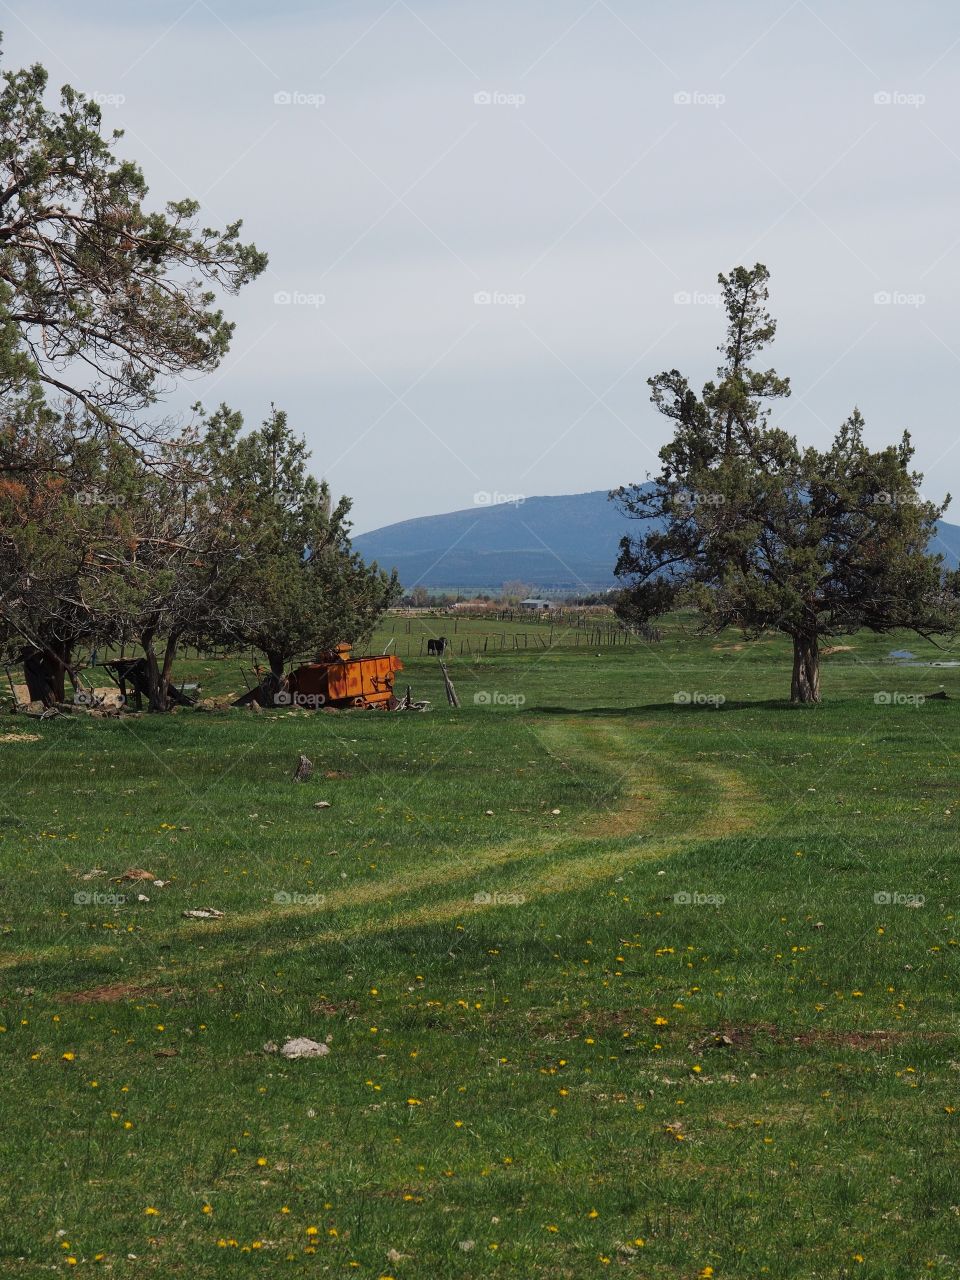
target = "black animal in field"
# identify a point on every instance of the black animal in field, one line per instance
(437, 646)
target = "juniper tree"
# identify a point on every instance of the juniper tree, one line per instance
(101, 298)
(760, 533)
(302, 588)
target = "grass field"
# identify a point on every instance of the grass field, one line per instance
(613, 984)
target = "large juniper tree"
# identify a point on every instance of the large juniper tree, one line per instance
(763, 534)
(101, 297)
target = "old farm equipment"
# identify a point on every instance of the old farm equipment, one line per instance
(338, 680)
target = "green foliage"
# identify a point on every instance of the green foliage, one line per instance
(765, 535)
(301, 588)
(101, 298)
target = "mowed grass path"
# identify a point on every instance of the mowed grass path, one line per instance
(666, 1029)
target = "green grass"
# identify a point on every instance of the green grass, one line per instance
(763, 1084)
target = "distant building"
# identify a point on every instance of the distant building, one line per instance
(533, 603)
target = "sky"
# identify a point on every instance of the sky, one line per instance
(489, 224)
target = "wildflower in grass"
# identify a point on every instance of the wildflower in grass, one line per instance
(593, 1214)
(552, 1228)
(207, 1208)
(67, 1057)
(313, 1231)
(660, 1022)
(150, 1211)
(261, 1161)
(414, 1102)
(706, 1273)
(858, 1257)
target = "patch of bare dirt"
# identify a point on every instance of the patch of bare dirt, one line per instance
(743, 1037)
(112, 993)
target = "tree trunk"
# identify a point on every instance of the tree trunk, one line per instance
(168, 657)
(155, 682)
(273, 686)
(45, 670)
(805, 685)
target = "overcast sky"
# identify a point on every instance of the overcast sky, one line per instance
(618, 156)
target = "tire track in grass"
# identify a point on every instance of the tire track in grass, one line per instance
(641, 826)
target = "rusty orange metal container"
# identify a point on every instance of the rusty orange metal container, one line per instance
(338, 680)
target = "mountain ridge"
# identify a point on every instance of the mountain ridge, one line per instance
(565, 542)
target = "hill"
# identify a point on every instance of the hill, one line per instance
(556, 543)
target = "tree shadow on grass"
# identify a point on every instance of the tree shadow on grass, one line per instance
(678, 709)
